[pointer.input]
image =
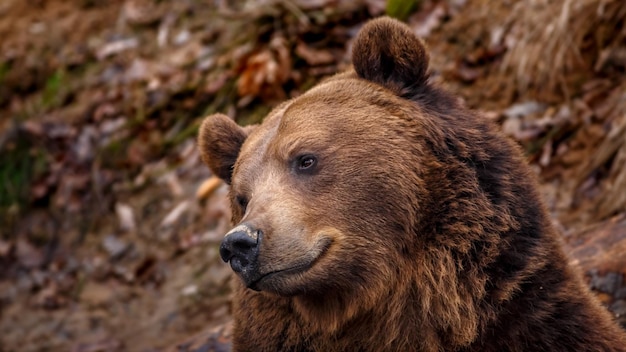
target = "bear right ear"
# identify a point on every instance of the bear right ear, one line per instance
(387, 52)
(220, 140)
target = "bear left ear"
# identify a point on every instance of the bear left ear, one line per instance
(386, 52)
(220, 140)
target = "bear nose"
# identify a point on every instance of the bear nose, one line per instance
(240, 246)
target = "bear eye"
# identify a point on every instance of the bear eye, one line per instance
(242, 202)
(306, 163)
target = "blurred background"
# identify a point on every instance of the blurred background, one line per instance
(109, 223)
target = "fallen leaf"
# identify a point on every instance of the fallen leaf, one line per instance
(28, 255)
(141, 12)
(175, 214)
(266, 71)
(314, 57)
(125, 217)
(190, 290)
(426, 21)
(106, 345)
(116, 47)
(173, 183)
(468, 74)
(5, 248)
(95, 294)
(524, 109)
(50, 297)
(208, 187)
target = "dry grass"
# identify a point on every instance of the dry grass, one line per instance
(555, 51)
(553, 45)
(610, 154)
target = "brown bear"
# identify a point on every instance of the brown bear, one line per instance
(375, 213)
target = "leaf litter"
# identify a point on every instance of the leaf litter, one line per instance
(109, 224)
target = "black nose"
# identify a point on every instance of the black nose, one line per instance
(241, 247)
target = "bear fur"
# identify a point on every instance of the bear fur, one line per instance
(375, 213)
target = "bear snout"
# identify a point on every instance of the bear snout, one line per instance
(240, 247)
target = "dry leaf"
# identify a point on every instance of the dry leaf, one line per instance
(125, 217)
(28, 255)
(5, 248)
(314, 57)
(208, 187)
(114, 246)
(175, 214)
(266, 71)
(116, 47)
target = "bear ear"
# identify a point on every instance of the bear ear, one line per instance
(388, 53)
(220, 140)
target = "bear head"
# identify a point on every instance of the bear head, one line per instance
(341, 189)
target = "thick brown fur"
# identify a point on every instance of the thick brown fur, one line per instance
(419, 227)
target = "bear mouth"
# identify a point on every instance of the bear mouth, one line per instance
(258, 284)
(275, 279)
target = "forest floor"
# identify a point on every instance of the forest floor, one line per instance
(109, 222)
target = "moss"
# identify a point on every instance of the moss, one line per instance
(52, 95)
(20, 164)
(401, 9)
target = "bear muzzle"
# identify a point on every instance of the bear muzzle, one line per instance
(240, 247)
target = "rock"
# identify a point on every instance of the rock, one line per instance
(599, 251)
(114, 246)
